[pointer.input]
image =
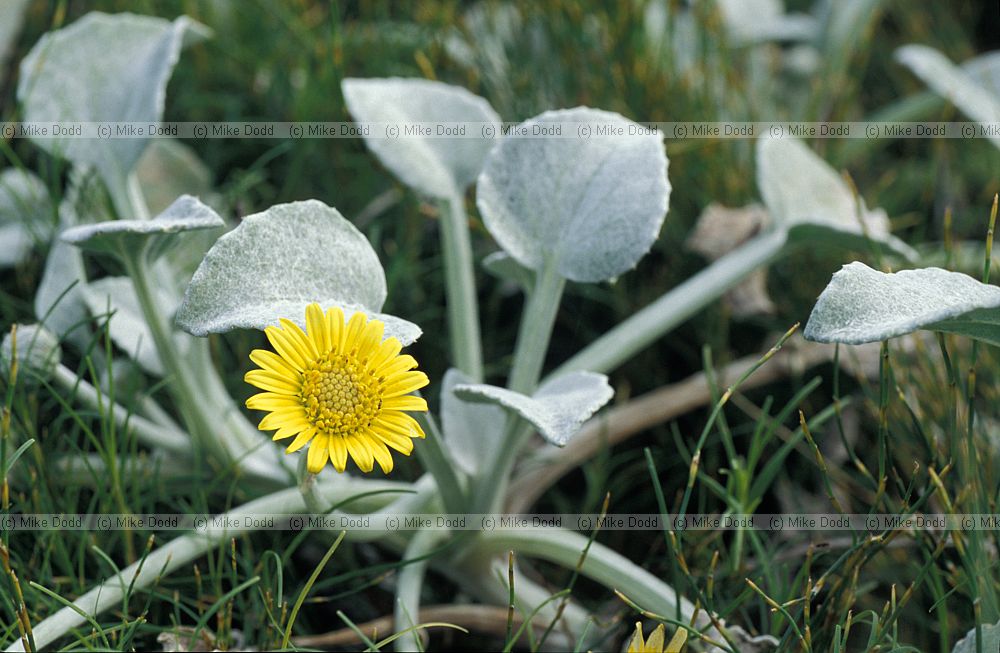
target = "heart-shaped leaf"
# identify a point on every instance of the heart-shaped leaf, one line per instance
(127, 326)
(276, 263)
(805, 196)
(103, 68)
(864, 305)
(26, 215)
(150, 236)
(593, 206)
(949, 81)
(558, 409)
(435, 165)
(472, 430)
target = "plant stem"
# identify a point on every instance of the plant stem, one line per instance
(601, 564)
(529, 357)
(436, 461)
(147, 432)
(659, 318)
(411, 580)
(460, 284)
(179, 552)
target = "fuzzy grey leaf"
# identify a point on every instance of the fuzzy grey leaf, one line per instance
(276, 263)
(439, 167)
(863, 305)
(951, 82)
(26, 215)
(117, 236)
(990, 640)
(473, 431)
(558, 409)
(807, 197)
(593, 206)
(102, 68)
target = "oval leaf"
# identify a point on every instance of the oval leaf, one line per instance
(118, 236)
(592, 206)
(437, 166)
(26, 215)
(808, 198)
(102, 68)
(472, 430)
(276, 263)
(558, 409)
(951, 82)
(864, 305)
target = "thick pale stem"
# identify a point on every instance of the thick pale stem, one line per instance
(602, 565)
(147, 432)
(659, 318)
(436, 461)
(529, 357)
(178, 553)
(411, 579)
(460, 283)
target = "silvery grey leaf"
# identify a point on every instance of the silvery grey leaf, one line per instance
(951, 82)
(102, 68)
(437, 166)
(473, 431)
(864, 305)
(276, 263)
(118, 236)
(26, 215)
(985, 71)
(807, 197)
(592, 206)
(557, 409)
(990, 640)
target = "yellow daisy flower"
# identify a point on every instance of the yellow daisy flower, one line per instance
(340, 388)
(655, 642)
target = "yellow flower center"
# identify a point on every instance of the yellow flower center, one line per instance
(339, 395)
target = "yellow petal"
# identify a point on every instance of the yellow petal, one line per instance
(272, 401)
(405, 384)
(400, 443)
(281, 343)
(354, 328)
(402, 423)
(677, 641)
(405, 402)
(637, 645)
(370, 339)
(655, 641)
(270, 381)
(303, 344)
(382, 456)
(283, 417)
(270, 361)
(390, 347)
(335, 325)
(302, 440)
(360, 453)
(396, 365)
(338, 452)
(288, 430)
(316, 328)
(319, 453)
